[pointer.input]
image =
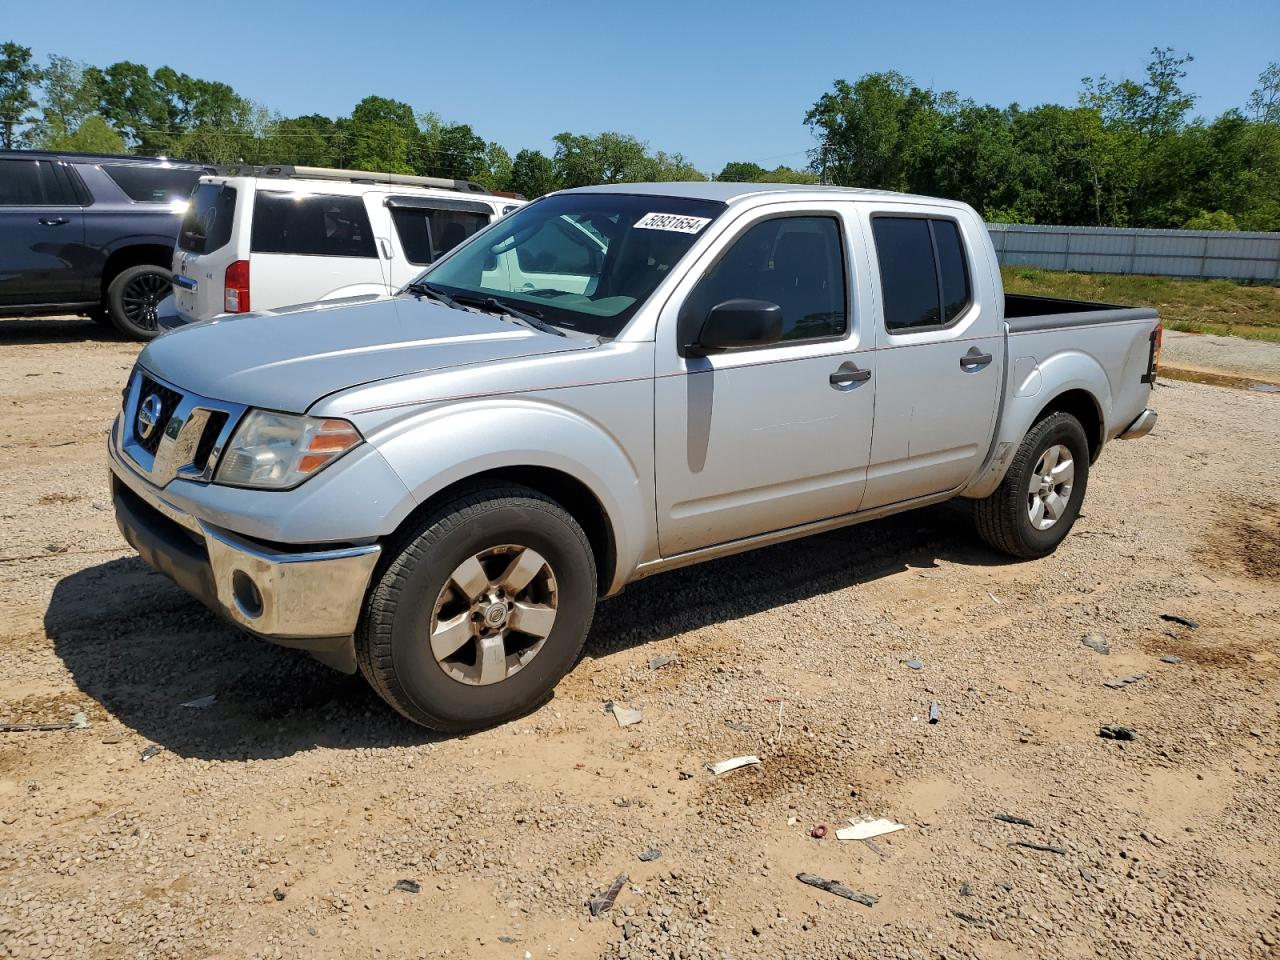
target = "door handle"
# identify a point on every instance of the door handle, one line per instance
(848, 375)
(975, 359)
(386, 248)
(53, 221)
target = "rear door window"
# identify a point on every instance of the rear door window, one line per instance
(924, 279)
(312, 225)
(207, 224)
(152, 184)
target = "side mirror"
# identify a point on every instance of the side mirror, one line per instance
(739, 323)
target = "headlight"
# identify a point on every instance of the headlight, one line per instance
(280, 450)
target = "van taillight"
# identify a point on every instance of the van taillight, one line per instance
(1155, 366)
(235, 288)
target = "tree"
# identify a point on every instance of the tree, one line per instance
(68, 98)
(739, 172)
(871, 133)
(18, 76)
(498, 165)
(1217, 220)
(451, 150)
(1264, 102)
(533, 174)
(92, 135)
(382, 135)
(309, 141)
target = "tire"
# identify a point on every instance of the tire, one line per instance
(419, 594)
(132, 298)
(1006, 519)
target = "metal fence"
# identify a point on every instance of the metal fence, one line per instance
(1168, 253)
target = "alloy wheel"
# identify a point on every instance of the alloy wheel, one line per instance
(494, 614)
(1049, 490)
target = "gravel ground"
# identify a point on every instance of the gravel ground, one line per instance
(278, 821)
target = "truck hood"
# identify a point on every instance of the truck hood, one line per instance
(289, 360)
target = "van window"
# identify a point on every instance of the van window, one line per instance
(919, 289)
(207, 224)
(427, 234)
(152, 184)
(795, 262)
(311, 224)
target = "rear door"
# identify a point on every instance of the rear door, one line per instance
(43, 259)
(309, 246)
(939, 354)
(426, 228)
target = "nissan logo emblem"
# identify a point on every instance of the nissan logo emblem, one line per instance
(149, 416)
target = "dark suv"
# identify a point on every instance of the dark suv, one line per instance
(91, 234)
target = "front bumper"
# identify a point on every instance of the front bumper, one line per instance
(305, 598)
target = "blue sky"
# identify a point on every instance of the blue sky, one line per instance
(715, 81)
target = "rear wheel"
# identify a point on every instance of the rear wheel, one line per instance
(1036, 504)
(481, 612)
(133, 300)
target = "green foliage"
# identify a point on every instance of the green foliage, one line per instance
(1215, 220)
(92, 135)
(532, 174)
(739, 172)
(1125, 156)
(18, 77)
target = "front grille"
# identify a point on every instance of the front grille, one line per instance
(213, 426)
(169, 400)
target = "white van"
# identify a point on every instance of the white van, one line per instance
(285, 236)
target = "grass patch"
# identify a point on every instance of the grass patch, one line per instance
(1198, 306)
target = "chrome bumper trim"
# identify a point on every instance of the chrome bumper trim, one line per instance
(1141, 426)
(317, 593)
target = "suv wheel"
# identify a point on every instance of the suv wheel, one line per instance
(133, 299)
(481, 612)
(1033, 509)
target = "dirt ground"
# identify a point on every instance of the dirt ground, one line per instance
(278, 820)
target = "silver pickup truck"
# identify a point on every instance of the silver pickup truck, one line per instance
(606, 384)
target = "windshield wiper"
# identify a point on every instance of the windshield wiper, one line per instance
(494, 305)
(421, 289)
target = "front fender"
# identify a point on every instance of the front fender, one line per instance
(435, 448)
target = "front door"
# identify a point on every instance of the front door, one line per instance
(41, 236)
(755, 440)
(939, 360)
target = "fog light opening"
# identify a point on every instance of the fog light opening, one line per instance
(248, 596)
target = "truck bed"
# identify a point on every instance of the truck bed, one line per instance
(1024, 313)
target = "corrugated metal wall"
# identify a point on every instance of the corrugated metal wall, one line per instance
(1169, 253)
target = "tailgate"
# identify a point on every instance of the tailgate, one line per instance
(205, 249)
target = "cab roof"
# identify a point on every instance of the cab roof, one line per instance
(730, 193)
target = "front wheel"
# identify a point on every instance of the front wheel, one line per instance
(1036, 504)
(481, 611)
(133, 300)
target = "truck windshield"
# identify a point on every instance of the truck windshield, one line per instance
(583, 261)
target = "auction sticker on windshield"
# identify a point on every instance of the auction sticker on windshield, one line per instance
(671, 221)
